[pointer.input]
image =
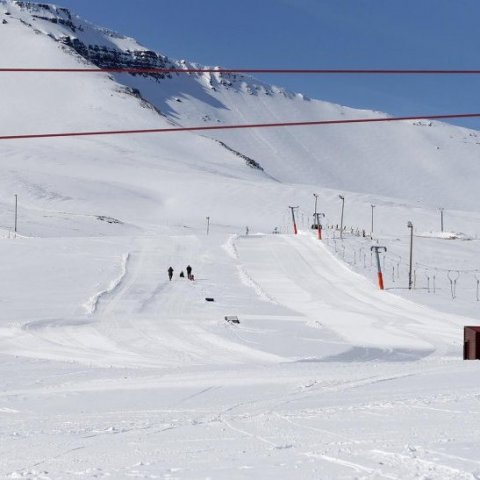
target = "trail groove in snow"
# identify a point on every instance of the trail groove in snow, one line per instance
(92, 304)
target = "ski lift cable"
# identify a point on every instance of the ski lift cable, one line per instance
(424, 266)
(235, 126)
(454, 269)
(300, 71)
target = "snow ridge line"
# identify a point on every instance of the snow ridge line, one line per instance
(230, 247)
(245, 278)
(92, 304)
(248, 281)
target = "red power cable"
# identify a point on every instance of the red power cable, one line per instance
(243, 70)
(232, 127)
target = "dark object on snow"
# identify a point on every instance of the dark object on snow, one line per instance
(471, 343)
(232, 319)
(189, 272)
(182, 275)
(170, 273)
(103, 218)
(249, 161)
(209, 299)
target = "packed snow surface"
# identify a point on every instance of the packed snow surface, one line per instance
(109, 370)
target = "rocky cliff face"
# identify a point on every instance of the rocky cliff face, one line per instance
(74, 33)
(107, 49)
(104, 57)
(43, 11)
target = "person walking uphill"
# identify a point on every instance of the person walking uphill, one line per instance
(170, 273)
(189, 272)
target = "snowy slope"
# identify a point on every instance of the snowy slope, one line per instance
(108, 370)
(411, 160)
(94, 177)
(152, 382)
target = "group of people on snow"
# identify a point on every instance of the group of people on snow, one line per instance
(182, 275)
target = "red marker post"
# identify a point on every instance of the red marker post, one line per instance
(318, 225)
(295, 230)
(379, 268)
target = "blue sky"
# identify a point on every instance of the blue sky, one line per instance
(440, 34)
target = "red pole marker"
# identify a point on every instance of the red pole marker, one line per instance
(380, 280)
(379, 268)
(317, 224)
(295, 230)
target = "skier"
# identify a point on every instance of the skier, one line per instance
(189, 272)
(170, 273)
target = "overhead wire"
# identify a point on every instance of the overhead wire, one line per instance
(236, 126)
(306, 71)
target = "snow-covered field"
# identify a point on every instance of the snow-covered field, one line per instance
(108, 370)
(123, 374)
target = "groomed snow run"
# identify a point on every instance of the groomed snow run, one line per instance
(324, 377)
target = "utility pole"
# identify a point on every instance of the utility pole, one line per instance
(441, 219)
(373, 206)
(318, 224)
(208, 225)
(16, 213)
(342, 198)
(295, 230)
(315, 211)
(410, 226)
(379, 268)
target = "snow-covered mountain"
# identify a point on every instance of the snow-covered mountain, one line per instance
(110, 370)
(421, 161)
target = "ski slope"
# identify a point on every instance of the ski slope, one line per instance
(372, 322)
(139, 318)
(320, 371)
(108, 370)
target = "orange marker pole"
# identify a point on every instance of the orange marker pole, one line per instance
(317, 224)
(380, 280)
(295, 229)
(379, 268)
